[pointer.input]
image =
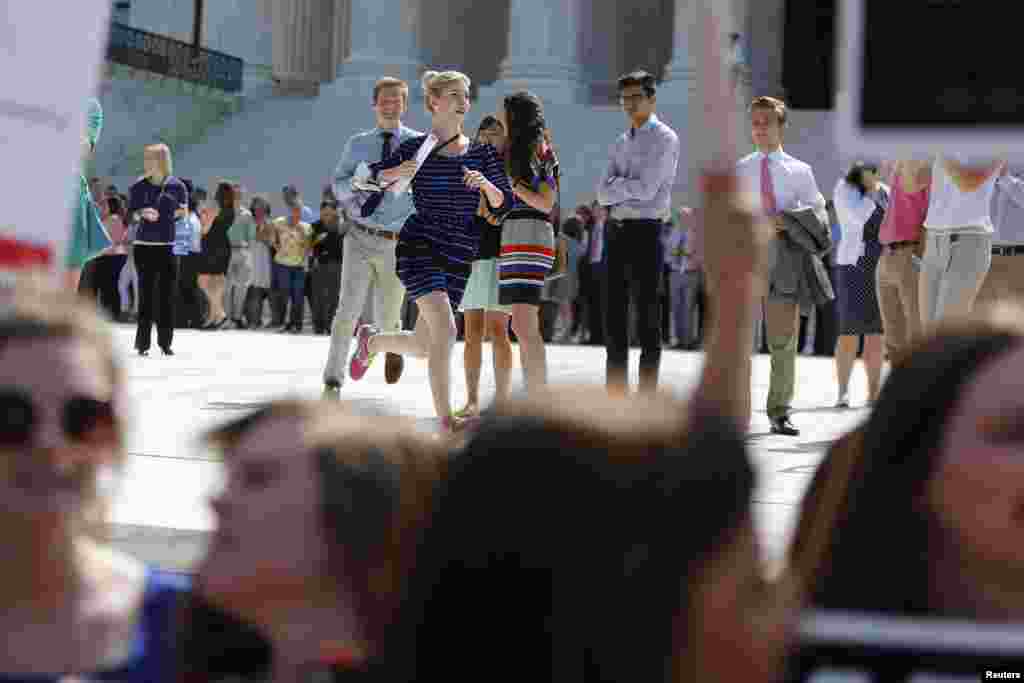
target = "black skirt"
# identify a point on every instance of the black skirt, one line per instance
(856, 294)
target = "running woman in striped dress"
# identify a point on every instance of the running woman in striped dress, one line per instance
(527, 236)
(438, 243)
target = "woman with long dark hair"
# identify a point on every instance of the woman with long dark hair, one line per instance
(481, 310)
(527, 235)
(607, 587)
(860, 200)
(217, 254)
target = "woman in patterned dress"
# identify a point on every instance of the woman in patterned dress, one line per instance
(439, 241)
(861, 200)
(527, 235)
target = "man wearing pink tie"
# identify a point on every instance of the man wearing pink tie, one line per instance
(777, 182)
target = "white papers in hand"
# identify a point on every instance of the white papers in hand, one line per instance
(402, 184)
(361, 179)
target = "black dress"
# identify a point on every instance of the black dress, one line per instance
(216, 246)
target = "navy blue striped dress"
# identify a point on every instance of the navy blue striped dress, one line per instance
(438, 242)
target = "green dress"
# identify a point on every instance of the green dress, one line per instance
(88, 236)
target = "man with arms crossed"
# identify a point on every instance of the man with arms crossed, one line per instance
(369, 247)
(637, 188)
(777, 182)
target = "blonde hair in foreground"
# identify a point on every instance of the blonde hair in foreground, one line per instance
(33, 309)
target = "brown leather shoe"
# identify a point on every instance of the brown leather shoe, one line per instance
(393, 366)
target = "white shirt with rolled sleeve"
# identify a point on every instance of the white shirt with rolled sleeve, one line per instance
(792, 180)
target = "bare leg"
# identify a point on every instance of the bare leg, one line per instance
(501, 346)
(526, 324)
(204, 285)
(72, 278)
(217, 287)
(873, 358)
(472, 359)
(846, 355)
(434, 338)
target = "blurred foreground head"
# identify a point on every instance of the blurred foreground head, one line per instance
(579, 537)
(928, 513)
(321, 510)
(60, 414)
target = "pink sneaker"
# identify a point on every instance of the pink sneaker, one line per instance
(362, 358)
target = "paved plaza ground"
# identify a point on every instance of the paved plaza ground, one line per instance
(161, 514)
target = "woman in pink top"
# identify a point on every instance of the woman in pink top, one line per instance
(899, 266)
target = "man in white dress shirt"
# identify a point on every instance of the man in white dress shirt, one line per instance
(777, 182)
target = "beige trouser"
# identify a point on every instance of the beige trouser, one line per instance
(896, 281)
(367, 259)
(1005, 280)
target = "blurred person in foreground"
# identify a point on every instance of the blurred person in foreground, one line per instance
(934, 487)
(589, 577)
(316, 525)
(72, 605)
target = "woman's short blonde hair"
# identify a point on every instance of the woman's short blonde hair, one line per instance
(166, 163)
(433, 83)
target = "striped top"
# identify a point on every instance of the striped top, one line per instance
(438, 190)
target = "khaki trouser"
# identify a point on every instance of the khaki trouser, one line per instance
(782, 325)
(952, 269)
(367, 259)
(1005, 280)
(896, 281)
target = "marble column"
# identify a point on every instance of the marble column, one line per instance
(680, 80)
(293, 35)
(543, 54)
(382, 41)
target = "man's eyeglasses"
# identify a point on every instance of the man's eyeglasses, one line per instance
(632, 98)
(81, 417)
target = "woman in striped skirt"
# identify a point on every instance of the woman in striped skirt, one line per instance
(439, 241)
(527, 236)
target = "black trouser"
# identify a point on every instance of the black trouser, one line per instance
(634, 265)
(108, 271)
(192, 304)
(595, 303)
(158, 283)
(549, 311)
(254, 298)
(326, 285)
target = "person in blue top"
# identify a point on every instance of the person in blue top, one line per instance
(438, 243)
(73, 607)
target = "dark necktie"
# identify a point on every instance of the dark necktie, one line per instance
(374, 200)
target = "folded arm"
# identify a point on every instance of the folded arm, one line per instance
(658, 167)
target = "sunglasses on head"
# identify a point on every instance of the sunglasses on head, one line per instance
(80, 417)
